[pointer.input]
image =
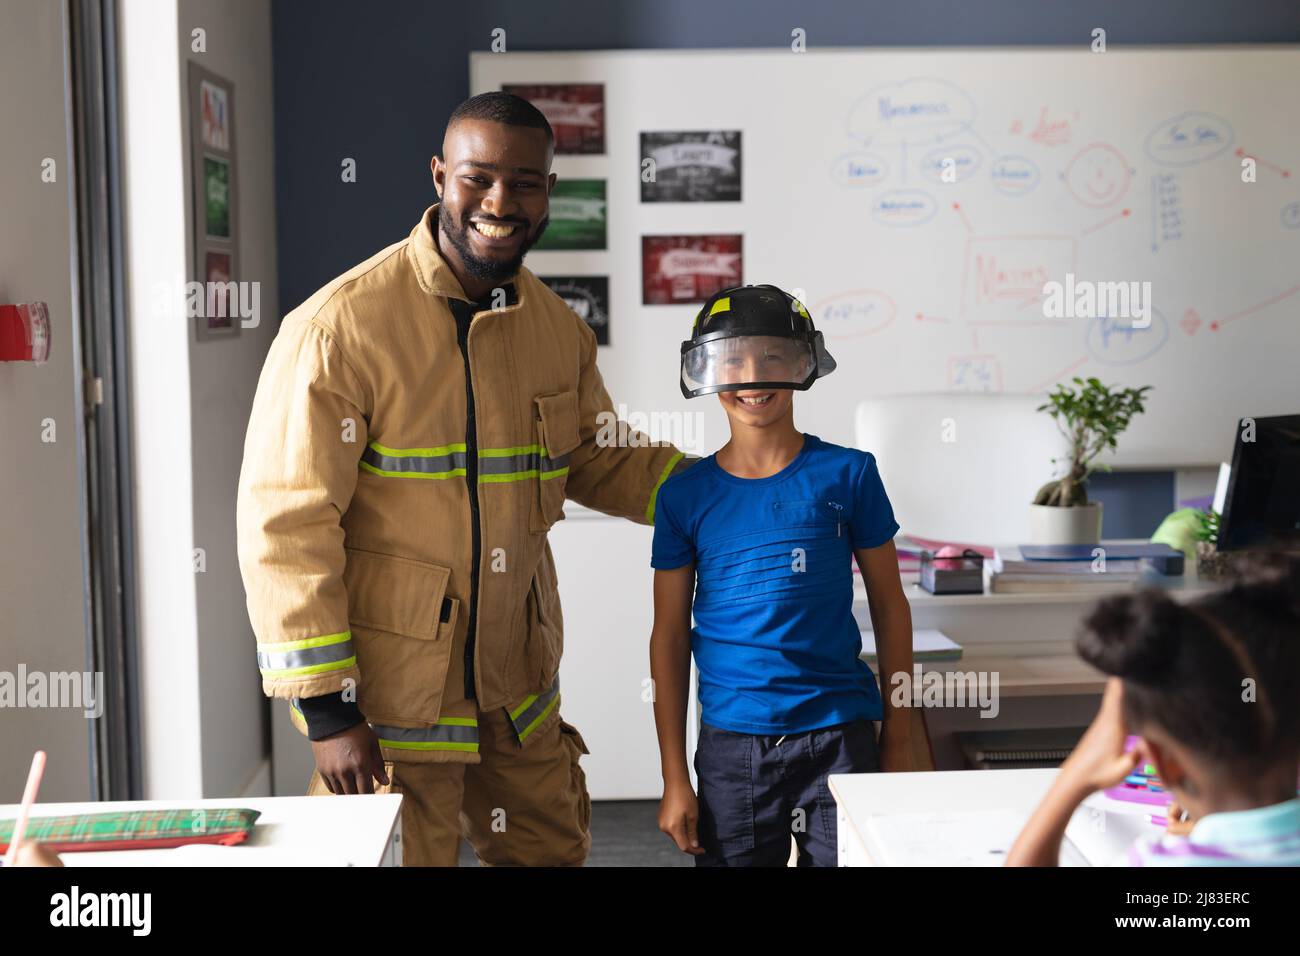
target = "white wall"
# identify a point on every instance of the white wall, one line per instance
(203, 712)
(223, 378)
(154, 195)
(42, 619)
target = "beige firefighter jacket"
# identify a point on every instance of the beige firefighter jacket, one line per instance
(356, 539)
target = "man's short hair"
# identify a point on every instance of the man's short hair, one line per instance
(505, 108)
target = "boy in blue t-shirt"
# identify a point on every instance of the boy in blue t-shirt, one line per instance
(756, 541)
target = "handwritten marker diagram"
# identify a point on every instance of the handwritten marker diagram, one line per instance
(917, 111)
(963, 160)
(854, 313)
(1098, 176)
(1115, 341)
(1189, 138)
(1014, 175)
(859, 169)
(1284, 173)
(1166, 209)
(975, 373)
(904, 207)
(1291, 215)
(1002, 271)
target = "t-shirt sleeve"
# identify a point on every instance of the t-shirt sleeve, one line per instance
(672, 547)
(873, 516)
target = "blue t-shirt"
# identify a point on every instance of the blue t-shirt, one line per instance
(775, 640)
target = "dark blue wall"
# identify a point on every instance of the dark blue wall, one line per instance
(376, 80)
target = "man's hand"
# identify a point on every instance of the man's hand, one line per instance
(679, 817)
(348, 760)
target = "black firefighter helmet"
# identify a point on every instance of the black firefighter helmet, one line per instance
(752, 337)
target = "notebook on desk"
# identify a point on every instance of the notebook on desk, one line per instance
(927, 645)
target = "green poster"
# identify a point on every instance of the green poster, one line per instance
(577, 216)
(216, 197)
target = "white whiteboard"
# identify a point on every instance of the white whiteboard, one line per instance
(923, 285)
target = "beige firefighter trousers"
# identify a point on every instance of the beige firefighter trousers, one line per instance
(520, 806)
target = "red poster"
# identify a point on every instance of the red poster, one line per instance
(576, 112)
(688, 268)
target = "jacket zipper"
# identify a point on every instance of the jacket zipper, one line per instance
(464, 313)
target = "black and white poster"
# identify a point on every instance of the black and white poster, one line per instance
(699, 166)
(588, 296)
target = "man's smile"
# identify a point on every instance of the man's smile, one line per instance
(496, 234)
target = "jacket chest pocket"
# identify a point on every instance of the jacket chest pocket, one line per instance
(402, 626)
(820, 516)
(555, 427)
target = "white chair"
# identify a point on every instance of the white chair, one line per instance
(961, 467)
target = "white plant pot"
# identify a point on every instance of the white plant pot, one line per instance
(1080, 524)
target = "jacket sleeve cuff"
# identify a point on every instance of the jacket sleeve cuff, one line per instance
(328, 714)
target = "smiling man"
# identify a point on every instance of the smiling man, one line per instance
(418, 425)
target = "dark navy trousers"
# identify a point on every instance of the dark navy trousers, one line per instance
(757, 791)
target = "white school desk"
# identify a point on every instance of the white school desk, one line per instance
(292, 831)
(970, 818)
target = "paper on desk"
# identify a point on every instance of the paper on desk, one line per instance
(958, 839)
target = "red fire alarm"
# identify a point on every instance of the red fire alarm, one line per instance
(24, 332)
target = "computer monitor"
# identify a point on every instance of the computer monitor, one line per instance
(1262, 506)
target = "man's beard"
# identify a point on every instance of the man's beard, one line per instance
(489, 270)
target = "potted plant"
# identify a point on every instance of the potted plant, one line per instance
(1090, 417)
(1210, 561)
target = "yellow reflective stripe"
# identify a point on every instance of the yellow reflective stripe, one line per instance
(654, 492)
(312, 655)
(509, 452)
(540, 717)
(528, 702)
(523, 475)
(311, 668)
(450, 733)
(339, 638)
(454, 473)
(722, 305)
(417, 452)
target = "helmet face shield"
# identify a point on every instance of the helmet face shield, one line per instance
(736, 362)
(752, 337)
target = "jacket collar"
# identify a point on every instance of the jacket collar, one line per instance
(431, 269)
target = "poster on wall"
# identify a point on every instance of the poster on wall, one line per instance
(578, 210)
(214, 259)
(576, 112)
(700, 166)
(588, 296)
(688, 268)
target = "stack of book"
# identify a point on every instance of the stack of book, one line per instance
(1010, 572)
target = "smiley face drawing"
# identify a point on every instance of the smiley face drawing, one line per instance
(1098, 175)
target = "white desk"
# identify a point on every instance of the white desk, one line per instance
(292, 831)
(975, 817)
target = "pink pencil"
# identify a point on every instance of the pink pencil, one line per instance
(29, 797)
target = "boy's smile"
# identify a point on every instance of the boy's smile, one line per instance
(757, 407)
